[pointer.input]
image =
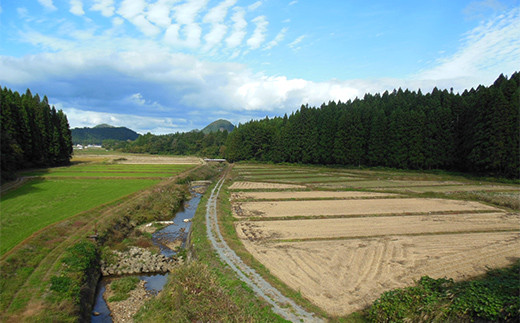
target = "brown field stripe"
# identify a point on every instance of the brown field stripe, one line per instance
(392, 235)
(314, 217)
(321, 198)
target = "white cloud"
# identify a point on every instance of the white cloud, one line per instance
(106, 7)
(76, 7)
(171, 36)
(215, 36)
(492, 46)
(279, 37)
(84, 118)
(134, 11)
(239, 28)
(254, 6)
(47, 4)
(187, 12)
(293, 3)
(131, 8)
(297, 41)
(217, 14)
(159, 13)
(258, 36)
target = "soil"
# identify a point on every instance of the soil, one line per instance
(376, 226)
(343, 276)
(459, 188)
(305, 195)
(260, 185)
(354, 207)
(163, 160)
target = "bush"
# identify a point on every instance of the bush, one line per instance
(494, 297)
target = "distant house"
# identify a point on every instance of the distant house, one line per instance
(78, 146)
(214, 160)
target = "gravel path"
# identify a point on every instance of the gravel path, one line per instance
(281, 305)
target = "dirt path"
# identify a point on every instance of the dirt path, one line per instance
(281, 305)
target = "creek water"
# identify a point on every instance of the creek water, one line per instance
(162, 238)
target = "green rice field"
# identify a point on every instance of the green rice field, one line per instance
(59, 193)
(39, 203)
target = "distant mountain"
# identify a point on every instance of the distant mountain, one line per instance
(104, 125)
(219, 125)
(96, 135)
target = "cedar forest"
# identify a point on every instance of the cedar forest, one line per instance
(33, 134)
(477, 131)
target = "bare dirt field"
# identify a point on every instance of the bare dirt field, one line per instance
(342, 249)
(262, 185)
(165, 160)
(343, 276)
(394, 183)
(376, 226)
(138, 159)
(306, 195)
(354, 207)
(459, 188)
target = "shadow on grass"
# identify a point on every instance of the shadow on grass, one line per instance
(27, 185)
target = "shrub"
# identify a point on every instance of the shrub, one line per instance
(494, 297)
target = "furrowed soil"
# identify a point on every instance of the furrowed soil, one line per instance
(264, 186)
(306, 195)
(342, 249)
(344, 276)
(354, 207)
(379, 226)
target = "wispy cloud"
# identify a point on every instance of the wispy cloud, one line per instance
(254, 6)
(106, 7)
(279, 37)
(258, 36)
(294, 44)
(493, 45)
(239, 28)
(76, 7)
(47, 4)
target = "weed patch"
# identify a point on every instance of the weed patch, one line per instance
(493, 297)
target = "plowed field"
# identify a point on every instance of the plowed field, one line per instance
(342, 249)
(263, 186)
(343, 276)
(306, 195)
(354, 207)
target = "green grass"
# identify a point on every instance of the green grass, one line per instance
(111, 170)
(122, 288)
(39, 203)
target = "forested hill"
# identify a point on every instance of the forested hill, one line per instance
(219, 125)
(96, 135)
(33, 134)
(476, 131)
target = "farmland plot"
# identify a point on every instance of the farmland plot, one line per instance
(342, 249)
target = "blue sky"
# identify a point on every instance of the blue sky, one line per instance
(163, 66)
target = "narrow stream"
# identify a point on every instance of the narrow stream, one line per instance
(166, 236)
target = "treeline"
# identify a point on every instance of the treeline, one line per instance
(209, 145)
(33, 134)
(476, 131)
